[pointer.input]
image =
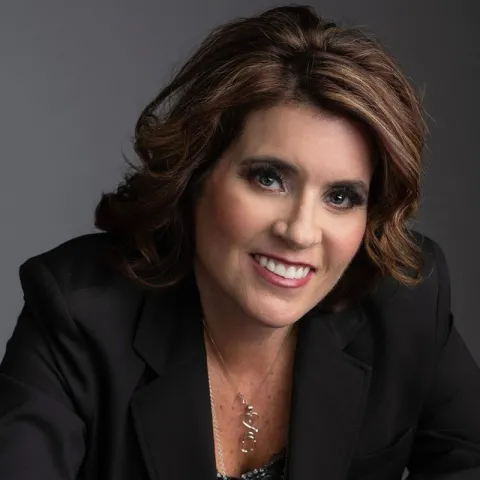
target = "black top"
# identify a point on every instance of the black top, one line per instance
(103, 380)
(272, 470)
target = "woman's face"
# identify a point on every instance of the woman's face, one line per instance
(282, 214)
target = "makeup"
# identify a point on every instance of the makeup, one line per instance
(276, 272)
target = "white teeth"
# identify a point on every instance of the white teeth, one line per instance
(282, 270)
(291, 272)
(271, 265)
(299, 273)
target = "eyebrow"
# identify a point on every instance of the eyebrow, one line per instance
(286, 166)
(274, 161)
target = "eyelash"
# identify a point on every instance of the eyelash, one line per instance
(256, 171)
(355, 199)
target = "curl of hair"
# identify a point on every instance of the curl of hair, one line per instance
(285, 54)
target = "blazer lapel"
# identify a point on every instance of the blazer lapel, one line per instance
(172, 413)
(329, 395)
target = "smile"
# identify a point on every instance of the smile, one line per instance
(282, 270)
(279, 274)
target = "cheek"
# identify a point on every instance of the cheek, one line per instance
(227, 217)
(346, 239)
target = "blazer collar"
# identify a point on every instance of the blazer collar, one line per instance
(172, 413)
(329, 395)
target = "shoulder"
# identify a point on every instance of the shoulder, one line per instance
(74, 283)
(75, 333)
(77, 263)
(420, 309)
(432, 255)
(434, 274)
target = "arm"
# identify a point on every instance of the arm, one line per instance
(447, 445)
(42, 434)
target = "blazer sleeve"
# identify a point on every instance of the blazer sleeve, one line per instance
(447, 443)
(42, 432)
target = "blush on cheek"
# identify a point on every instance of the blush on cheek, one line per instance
(228, 218)
(347, 241)
(355, 237)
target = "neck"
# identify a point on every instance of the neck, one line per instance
(247, 346)
(247, 350)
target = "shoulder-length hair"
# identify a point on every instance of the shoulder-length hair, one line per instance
(285, 54)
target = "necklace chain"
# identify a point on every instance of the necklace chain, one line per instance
(227, 374)
(216, 431)
(250, 417)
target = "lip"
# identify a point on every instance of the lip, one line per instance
(278, 280)
(285, 261)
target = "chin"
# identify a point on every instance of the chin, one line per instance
(276, 314)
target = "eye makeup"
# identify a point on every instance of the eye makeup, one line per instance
(269, 173)
(266, 176)
(274, 175)
(353, 194)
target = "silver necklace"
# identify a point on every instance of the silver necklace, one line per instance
(216, 432)
(250, 417)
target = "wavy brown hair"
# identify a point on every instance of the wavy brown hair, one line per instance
(285, 54)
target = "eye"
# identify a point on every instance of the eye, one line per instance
(266, 177)
(339, 198)
(345, 198)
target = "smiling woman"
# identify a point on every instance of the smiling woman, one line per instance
(288, 191)
(256, 305)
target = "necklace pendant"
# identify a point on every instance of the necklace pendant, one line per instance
(249, 442)
(249, 439)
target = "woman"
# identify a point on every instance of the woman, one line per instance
(256, 306)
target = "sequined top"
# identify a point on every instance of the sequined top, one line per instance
(273, 470)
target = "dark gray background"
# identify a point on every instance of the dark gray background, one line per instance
(75, 75)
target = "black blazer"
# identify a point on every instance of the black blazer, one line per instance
(103, 380)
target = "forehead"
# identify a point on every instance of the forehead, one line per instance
(316, 142)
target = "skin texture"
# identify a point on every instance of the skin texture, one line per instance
(245, 210)
(237, 216)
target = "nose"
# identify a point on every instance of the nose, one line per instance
(300, 227)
